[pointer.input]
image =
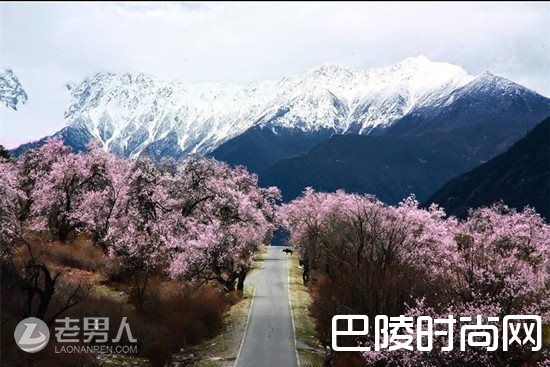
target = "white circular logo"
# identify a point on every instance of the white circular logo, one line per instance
(31, 334)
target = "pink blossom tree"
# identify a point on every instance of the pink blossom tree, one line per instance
(59, 194)
(324, 226)
(197, 220)
(12, 200)
(35, 164)
(35, 277)
(102, 200)
(501, 263)
(377, 259)
(137, 231)
(222, 218)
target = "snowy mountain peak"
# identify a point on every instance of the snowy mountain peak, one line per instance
(329, 70)
(416, 59)
(11, 91)
(131, 112)
(422, 61)
(489, 78)
(488, 83)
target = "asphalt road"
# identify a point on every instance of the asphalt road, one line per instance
(269, 336)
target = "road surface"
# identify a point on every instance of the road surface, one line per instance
(269, 336)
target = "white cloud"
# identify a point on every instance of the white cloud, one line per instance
(49, 44)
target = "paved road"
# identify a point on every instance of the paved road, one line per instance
(269, 337)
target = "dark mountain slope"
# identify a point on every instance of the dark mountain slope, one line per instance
(519, 177)
(466, 128)
(389, 167)
(485, 117)
(459, 132)
(260, 147)
(76, 138)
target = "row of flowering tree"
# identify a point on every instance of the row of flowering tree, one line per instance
(196, 220)
(375, 259)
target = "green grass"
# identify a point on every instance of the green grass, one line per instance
(303, 322)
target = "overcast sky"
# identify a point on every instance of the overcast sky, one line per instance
(50, 44)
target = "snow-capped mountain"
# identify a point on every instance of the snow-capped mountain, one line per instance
(11, 91)
(391, 131)
(417, 153)
(260, 123)
(133, 113)
(485, 98)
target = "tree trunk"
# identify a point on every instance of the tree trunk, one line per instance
(46, 297)
(241, 278)
(32, 286)
(138, 289)
(305, 273)
(63, 235)
(329, 358)
(229, 283)
(31, 283)
(98, 240)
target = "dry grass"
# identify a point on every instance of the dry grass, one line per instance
(311, 353)
(222, 350)
(172, 318)
(80, 254)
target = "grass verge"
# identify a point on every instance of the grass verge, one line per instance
(310, 351)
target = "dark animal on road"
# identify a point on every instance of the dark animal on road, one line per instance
(287, 251)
